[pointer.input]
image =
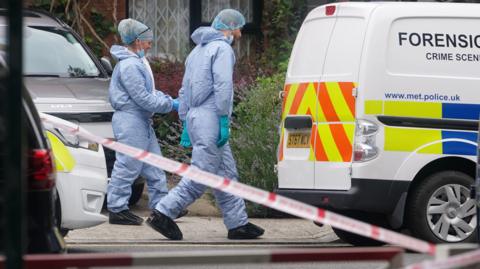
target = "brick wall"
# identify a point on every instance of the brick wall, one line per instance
(106, 7)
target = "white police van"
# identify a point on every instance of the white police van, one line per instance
(380, 116)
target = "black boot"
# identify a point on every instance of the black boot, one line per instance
(247, 231)
(124, 217)
(164, 225)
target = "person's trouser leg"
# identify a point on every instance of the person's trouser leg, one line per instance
(132, 130)
(156, 178)
(203, 129)
(180, 197)
(119, 190)
(233, 207)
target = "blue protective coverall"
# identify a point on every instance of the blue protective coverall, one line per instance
(134, 100)
(207, 94)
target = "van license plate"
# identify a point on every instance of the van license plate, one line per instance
(298, 141)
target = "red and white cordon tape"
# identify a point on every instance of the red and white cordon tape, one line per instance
(392, 255)
(457, 261)
(250, 193)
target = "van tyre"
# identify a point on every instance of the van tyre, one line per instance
(355, 239)
(358, 240)
(440, 209)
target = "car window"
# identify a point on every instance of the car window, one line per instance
(50, 51)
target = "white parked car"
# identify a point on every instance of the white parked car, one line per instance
(65, 79)
(81, 180)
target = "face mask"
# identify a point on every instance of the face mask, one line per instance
(141, 52)
(230, 39)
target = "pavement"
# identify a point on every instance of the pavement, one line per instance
(203, 225)
(206, 230)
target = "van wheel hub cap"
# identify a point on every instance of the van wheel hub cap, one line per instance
(451, 213)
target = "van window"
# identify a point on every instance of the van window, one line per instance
(434, 47)
(310, 48)
(345, 48)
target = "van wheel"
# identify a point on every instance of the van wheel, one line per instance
(358, 240)
(440, 209)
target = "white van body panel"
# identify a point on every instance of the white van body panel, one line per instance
(342, 61)
(394, 88)
(296, 171)
(385, 69)
(415, 162)
(319, 56)
(406, 60)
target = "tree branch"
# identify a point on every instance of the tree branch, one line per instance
(78, 18)
(52, 4)
(114, 16)
(94, 33)
(67, 13)
(85, 6)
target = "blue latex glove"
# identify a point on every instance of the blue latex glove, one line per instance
(224, 131)
(184, 138)
(175, 104)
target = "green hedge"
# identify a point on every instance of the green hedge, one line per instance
(255, 136)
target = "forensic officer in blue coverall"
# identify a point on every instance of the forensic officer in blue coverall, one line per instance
(206, 101)
(134, 98)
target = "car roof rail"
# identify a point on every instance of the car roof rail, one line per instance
(42, 13)
(37, 13)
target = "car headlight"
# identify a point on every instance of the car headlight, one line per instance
(71, 140)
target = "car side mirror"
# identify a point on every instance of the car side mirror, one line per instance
(107, 65)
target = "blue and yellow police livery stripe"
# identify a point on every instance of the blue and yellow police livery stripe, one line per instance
(429, 141)
(431, 110)
(460, 111)
(426, 140)
(459, 148)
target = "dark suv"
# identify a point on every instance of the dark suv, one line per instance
(43, 235)
(65, 79)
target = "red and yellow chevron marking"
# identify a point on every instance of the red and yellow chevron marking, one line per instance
(332, 108)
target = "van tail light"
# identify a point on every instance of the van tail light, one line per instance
(41, 172)
(365, 148)
(330, 10)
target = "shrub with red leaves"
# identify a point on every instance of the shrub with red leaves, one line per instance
(168, 75)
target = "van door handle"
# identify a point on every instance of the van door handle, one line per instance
(281, 94)
(298, 122)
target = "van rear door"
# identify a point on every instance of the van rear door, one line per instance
(335, 128)
(296, 154)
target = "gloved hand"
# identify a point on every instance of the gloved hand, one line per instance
(184, 138)
(224, 131)
(175, 104)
